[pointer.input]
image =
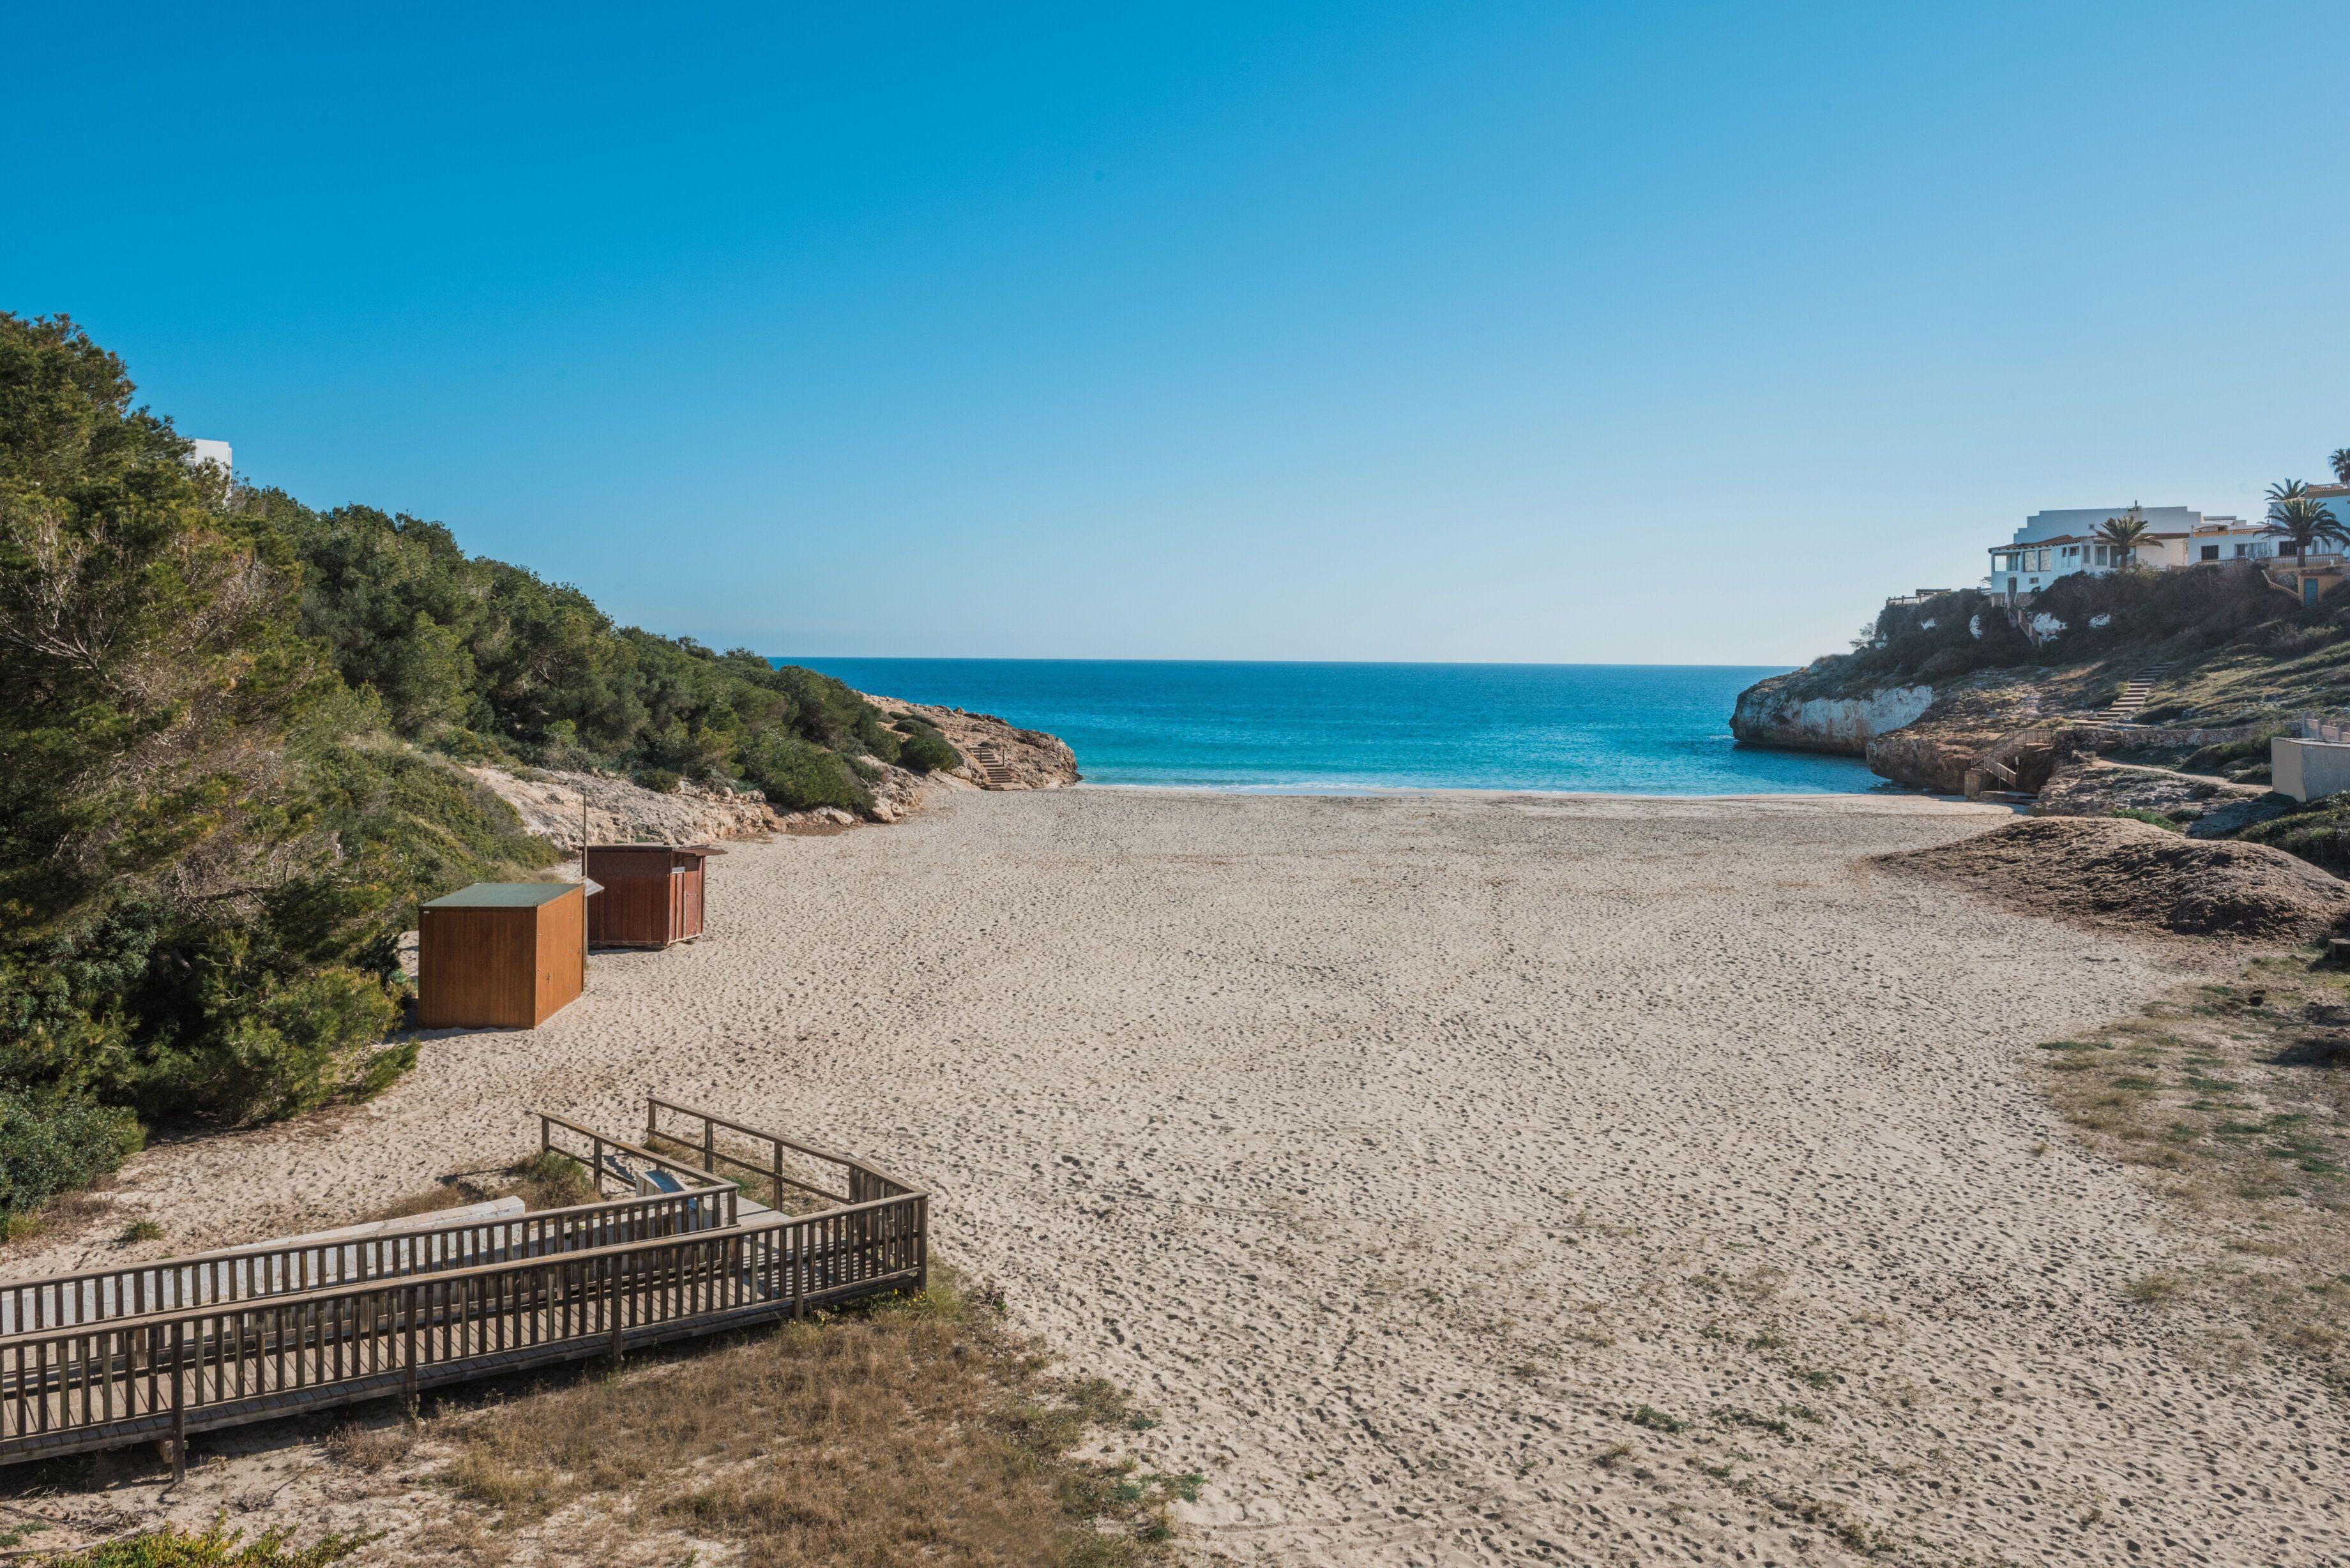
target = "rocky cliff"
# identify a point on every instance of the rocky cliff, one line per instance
(1961, 684)
(1780, 712)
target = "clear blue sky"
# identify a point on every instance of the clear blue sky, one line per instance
(1620, 333)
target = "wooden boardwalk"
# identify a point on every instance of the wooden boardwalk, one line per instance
(159, 1351)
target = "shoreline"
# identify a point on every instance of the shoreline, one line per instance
(1884, 790)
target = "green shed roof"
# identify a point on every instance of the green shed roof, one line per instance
(504, 896)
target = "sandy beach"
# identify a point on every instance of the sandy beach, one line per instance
(1460, 1178)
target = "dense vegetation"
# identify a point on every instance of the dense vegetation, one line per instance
(227, 721)
(2188, 612)
(475, 658)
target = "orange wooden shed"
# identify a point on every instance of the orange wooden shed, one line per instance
(653, 893)
(500, 955)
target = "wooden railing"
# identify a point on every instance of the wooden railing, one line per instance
(248, 1274)
(768, 1155)
(610, 1160)
(167, 1374)
(158, 1351)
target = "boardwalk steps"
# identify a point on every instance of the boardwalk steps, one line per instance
(991, 766)
(160, 1351)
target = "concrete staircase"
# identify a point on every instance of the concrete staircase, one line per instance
(991, 765)
(2137, 692)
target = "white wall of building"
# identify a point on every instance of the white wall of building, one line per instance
(211, 452)
(2058, 543)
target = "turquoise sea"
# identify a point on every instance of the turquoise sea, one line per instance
(1341, 728)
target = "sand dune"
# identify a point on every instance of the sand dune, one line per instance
(1402, 1151)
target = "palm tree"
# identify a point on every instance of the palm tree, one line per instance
(2123, 533)
(2285, 490)
(2341, 464)
(2297, 522)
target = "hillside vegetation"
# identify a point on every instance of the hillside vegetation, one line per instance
(2239, 649)
(227, 724)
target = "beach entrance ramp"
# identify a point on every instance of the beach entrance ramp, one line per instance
(758, 1227)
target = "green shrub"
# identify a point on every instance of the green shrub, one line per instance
(52, 1143)
(661, 781)
(290, 1048)
(2239, 760)
(927, 750)
(214, 1547)
(2318, 831)
(798, 774)
(2141, 814)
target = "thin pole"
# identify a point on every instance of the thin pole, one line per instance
(583, 888)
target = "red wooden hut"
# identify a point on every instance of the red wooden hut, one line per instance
(653, 893)
(500, 955)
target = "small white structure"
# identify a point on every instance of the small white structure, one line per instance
(2307, 769)
(216, 452)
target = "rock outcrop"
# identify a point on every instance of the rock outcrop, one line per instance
(1779, 712)
(1970, 718)
(1026, 759)
(619, 812)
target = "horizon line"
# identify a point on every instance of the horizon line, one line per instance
(1384, 664)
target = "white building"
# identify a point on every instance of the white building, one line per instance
(2051, 544)
(212, 451)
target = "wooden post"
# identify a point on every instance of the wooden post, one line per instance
(179, 1402)
(923, 1242)
(775, 1199)
(709, 1145)
(415, 1311)
(614, 1309)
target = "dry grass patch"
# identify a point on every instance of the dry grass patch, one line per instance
(2234, 1100)
(917, 1428)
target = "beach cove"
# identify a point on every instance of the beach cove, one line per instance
(1457, 1179)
